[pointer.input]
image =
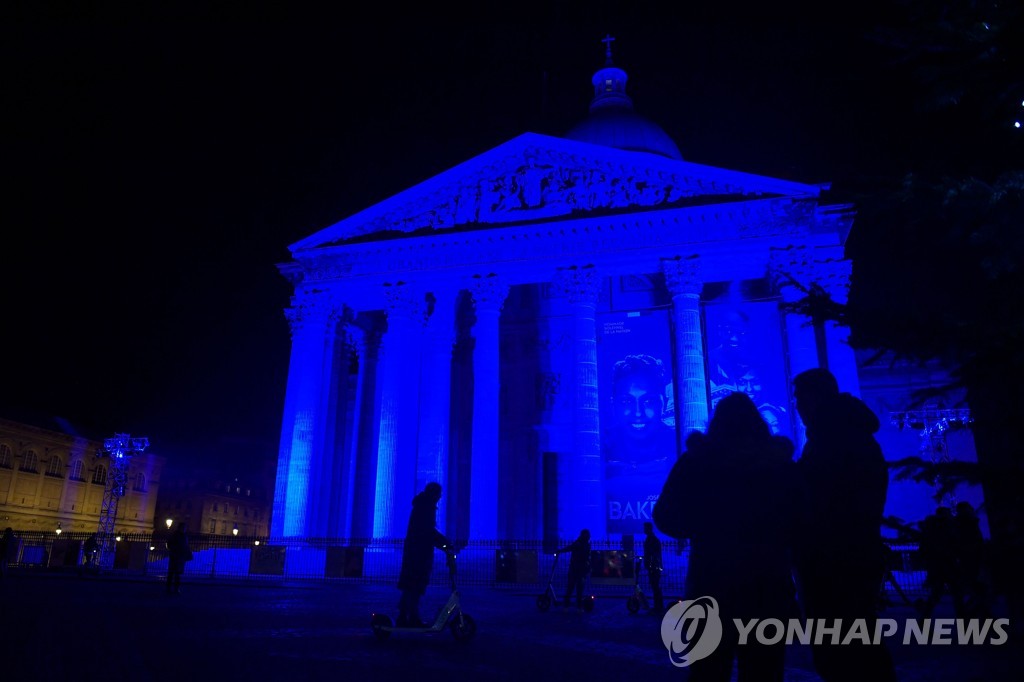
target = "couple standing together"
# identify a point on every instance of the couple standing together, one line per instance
(774, 538)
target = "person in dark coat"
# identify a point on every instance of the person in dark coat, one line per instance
(840, 557)
(655, 565)
(938, 553)
(969, 553)
(178, 554)
(579, 566)
(732, 495)
(421, 538)
(7, 543)
(89, 550)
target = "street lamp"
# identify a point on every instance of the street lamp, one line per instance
(169, 522)
(257, 543)
(118, 538)
(59, 529)
(234, 531)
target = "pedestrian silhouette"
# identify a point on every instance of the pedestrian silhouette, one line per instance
(654, 564)
(969, 554)
(579, 565)
(421, 538)
(938, 554)
(7, 544)
(732, 494)
(178, 554)
(89, 549)
(840, 559)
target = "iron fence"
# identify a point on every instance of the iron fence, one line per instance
(525, 565)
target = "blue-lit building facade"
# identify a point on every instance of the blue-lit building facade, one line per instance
(539, 327)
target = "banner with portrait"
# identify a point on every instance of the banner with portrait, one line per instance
(744, 354)
(638, 425)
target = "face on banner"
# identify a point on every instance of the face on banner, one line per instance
(638, 439)
(745, 356)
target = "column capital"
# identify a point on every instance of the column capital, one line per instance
(795, 270)
(580, 284)
(440, 323)
(683, 275)
(488, 292)
(307, 312)
(833, 276)
(405, 301)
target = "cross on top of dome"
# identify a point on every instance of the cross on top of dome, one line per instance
(607, 40)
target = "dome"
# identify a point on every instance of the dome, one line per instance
(625, 130)
(612, 121)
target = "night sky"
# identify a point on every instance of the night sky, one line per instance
(157, 168)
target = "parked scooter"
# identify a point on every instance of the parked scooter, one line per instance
(638, 599)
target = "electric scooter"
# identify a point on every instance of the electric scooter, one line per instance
(548, 597)
(638, 598)
(451, 615)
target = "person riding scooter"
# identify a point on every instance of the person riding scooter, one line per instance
(421, 538)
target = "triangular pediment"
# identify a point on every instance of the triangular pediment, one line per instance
(541, 178)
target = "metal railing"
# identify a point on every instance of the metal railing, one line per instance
(509, 565)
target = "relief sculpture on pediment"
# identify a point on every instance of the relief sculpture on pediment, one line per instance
(541, 185)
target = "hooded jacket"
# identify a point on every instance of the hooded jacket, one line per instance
(736, 503)
(844, 480)
(421, 538)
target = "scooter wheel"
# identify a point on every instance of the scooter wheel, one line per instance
(463, 627)
(588, 604)
(544, 602)
(378, 623)
(633, 604)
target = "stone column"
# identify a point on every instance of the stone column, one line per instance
(326, 507)
(581, 491)
(488, 294)
(684, 282)
(399, 408)
(363, 478)
(435, 406)
(312, 324)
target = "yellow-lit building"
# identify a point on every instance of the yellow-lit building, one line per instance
(51, 476)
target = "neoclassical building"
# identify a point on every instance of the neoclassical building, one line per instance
(52, 477)
(539, 327)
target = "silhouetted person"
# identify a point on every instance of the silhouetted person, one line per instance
(178, 554)
(839, 552)
(421, 538)
(89, 549)
(7, 541)
(938, 552)
(654, 564)
(969, 552)
(732, 494)
(579, 565)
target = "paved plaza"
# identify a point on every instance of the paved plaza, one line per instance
(62, 627)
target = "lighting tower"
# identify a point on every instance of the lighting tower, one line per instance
(119, 450)
(935, 425)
